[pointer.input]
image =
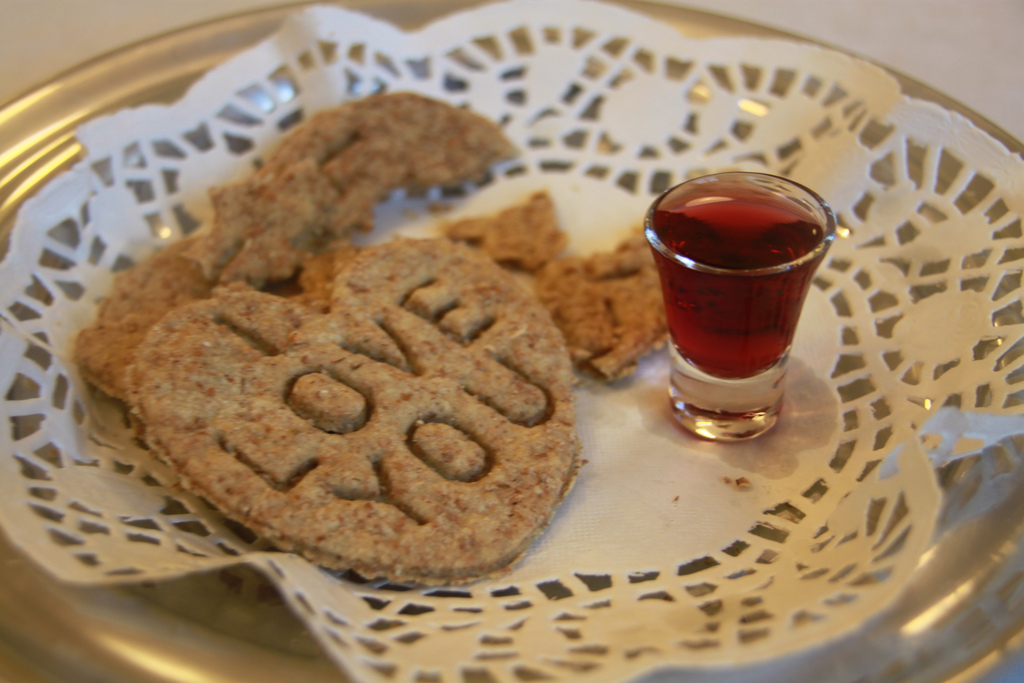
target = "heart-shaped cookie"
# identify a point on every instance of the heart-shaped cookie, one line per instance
(423, 429)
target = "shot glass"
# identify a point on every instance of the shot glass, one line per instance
(736, 253)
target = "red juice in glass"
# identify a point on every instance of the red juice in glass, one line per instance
(736, 253)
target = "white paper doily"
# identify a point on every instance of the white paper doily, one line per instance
(657, 558)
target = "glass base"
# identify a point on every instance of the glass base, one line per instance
(723, 409)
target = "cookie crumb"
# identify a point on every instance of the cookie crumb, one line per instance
(740, 483)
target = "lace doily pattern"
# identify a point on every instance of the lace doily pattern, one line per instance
(669, 552)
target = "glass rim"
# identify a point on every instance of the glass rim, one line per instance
(816, 202)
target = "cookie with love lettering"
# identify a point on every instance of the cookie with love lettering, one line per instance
(423, 429)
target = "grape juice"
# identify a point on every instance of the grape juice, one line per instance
(733, 304)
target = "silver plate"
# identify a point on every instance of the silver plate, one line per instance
(231, 626)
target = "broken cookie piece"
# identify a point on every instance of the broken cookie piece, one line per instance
(264, 226)
(316, 277)
(525, 236)
(139, 298)
(608, 306)
(323, 180)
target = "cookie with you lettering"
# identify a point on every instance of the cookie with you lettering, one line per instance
(423, 429)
